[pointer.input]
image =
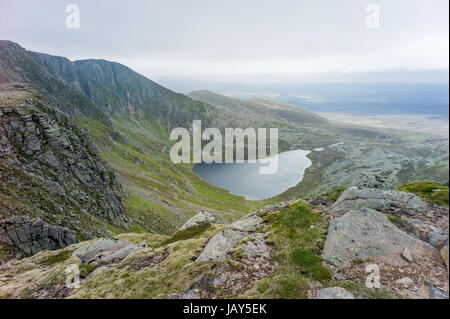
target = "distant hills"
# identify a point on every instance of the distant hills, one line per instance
(383, 97)
(259, 108)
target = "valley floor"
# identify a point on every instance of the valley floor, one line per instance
(432, 125)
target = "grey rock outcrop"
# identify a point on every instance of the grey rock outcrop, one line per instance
(220, 244)
(106, 250)
(256, 246)
(50, 168)
(202, 217)
(334, 293)
(373, 181)
(32, 235)
(366, 233)
(378, 199)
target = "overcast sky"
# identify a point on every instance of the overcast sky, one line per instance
(233, 38)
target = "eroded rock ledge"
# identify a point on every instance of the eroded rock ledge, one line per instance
(32, 235)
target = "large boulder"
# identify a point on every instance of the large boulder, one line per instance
(202, 217)
(366, 233)
(220, 244)
(354, 198)
(106, 250)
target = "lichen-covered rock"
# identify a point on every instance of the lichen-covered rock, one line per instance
(354, 198)
(373, 181)
(220, 244)
(366, 233)
(334, 293)
(251, 223)
(256, 246)
(202, 217)
(106, 250)
(32, 235)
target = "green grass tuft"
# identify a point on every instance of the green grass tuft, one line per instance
(304, 258)
(54, 259)
(335, 192)
(291, 285)
(428, 191)
(188, 233)
(309, 263)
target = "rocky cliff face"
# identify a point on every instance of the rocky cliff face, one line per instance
(32, 235)
(50, 169)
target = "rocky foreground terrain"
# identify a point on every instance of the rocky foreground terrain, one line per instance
(323, 249)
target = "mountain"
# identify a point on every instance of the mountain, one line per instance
(97, 88)
(85, 148)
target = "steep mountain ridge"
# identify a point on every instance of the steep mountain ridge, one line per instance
(19, 66)
(118, 90)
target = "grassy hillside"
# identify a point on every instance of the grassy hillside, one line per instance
(428, 191)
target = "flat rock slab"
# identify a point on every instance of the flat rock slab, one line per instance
(248, 224)
(256, 246)
(220, 244)
(202, 217)
(366, 233)
(354, 198)
(334, 293)
(106, 250)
